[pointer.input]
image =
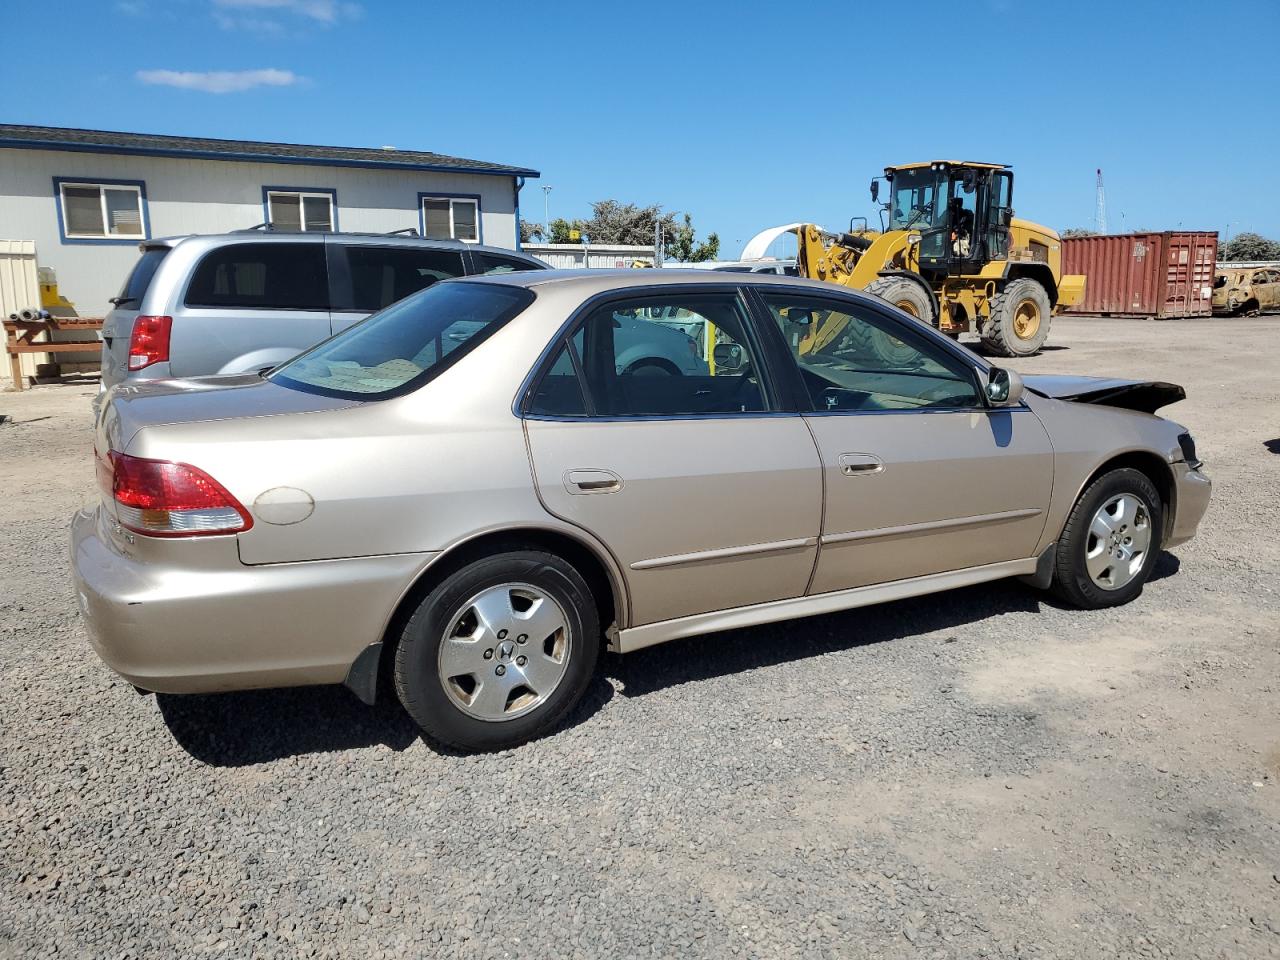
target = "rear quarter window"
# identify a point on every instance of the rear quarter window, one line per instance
(497, 263)
(262, 276)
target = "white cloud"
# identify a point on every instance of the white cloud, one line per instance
(131, 8)
(322, 11)
(220, 81)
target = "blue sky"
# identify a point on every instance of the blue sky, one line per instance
(744, 114)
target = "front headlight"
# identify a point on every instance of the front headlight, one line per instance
(1188, 446)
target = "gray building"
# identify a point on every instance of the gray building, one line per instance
(87, 197)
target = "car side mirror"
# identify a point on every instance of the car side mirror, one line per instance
(875, 190)
(728, 356)
(1004, 387)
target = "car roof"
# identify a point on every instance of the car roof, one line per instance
(591, 282)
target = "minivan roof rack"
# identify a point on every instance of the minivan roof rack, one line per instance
(404, 232)
(268, 226)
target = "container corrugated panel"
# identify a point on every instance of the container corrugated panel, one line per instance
(1144, 274)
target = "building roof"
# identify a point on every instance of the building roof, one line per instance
(204, 148)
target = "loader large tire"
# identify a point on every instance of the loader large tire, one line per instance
(1019, 322)
(909, 297)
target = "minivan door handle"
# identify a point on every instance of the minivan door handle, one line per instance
(860, 464)
(592, 481)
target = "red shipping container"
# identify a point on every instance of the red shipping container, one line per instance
(1161, 275)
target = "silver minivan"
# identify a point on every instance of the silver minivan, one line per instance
(241, 302)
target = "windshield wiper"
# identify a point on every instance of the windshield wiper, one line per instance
(120, 301)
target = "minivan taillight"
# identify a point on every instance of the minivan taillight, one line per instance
(149, 342)
(165, 499)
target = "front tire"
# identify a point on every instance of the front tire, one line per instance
(499, 652)
(1019, 321)
(1110, 542)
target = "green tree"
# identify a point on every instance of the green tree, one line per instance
(531, 232)
(1077, 232)
(627, 223)
(682, 244)
(559, 230)
(1249, 246)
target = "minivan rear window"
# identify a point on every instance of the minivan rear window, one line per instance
(410, 342)
(262, 276)
(139, 279)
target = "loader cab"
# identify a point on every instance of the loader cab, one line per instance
(961, 211)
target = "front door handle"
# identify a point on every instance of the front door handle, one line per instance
(860, 464)
(592, 481)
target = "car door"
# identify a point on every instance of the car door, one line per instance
(921, 476)
(370, 276)
(251, 305)
(1269, 296)
(706, 492)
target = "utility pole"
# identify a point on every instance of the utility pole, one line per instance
(1100, 215)
(546, 213)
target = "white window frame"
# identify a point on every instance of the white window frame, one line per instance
(102, 189)
(453, 227)
(302, 217)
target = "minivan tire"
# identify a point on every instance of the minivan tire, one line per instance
(1072, 580)
(434, 701)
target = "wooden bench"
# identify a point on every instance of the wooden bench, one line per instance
(20, 338)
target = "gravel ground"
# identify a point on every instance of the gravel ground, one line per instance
(976, 774)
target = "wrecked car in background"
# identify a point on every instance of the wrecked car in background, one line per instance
(1250, 290)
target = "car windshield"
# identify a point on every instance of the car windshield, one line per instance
(915, 202)
(402, 347)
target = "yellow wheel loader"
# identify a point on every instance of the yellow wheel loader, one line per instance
(951, 254)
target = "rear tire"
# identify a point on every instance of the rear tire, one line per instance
(1110, 542)
(1019, 321)
(909, 297)
(499, 652)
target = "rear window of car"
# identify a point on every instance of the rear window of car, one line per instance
(262, 276)
(382, 275)
(139, 279)
(404, 346)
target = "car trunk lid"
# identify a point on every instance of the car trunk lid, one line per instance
(146, 403)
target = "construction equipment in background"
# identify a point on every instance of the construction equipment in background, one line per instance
(951, 254)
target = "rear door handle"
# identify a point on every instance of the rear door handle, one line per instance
(592, 481)
(860, 464)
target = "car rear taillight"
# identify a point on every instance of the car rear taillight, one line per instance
(165, 499)
(149, 342)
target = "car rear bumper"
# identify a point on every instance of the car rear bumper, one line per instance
(1192, 488)
(187, 617)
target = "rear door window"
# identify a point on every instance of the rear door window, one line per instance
(262, 276)
(139, 279)
(634, 366)
(382, 275)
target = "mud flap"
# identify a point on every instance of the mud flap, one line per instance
(362, 678)
(1042, 579)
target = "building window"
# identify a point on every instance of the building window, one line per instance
(102, 211)
(450, 218)
(300, 209)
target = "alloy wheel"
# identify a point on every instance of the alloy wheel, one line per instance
(504, 652)
(1118, 541)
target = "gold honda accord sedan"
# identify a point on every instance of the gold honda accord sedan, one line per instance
(473, 492)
